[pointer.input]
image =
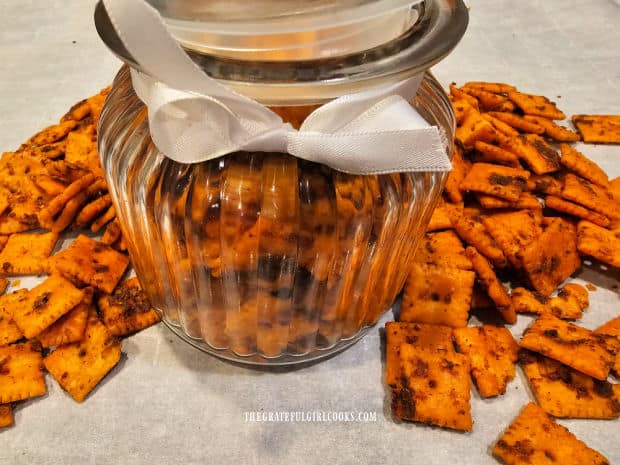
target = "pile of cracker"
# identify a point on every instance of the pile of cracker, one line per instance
(521, 208)
(72, 324)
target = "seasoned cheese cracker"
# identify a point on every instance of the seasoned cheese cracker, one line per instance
(435, 388)
(513, 231)
(458, 94)
(581, 191)
(4, 283)
(21, 374)
(462, 107)
(433, 337)
(526, 201)
(537, 105)
(500, 126)
(104, 219)
(459, 170)
(552, 257)
(570, 208)
(494, 87)
(535, 152)
(583, 166)
(569, 344)
(546, 184)
(488, 101)
(494, 154)
(437, 295)
(492, 352)
(534, 438)
(567, 393)
(501, 181)
(473, 128)
(494, 288)
(52, 133)
(91, 262)
(112, 233)
(80, 366)
(127, 309)
(600, 243)
(6, 415)
(517, 122)
(611, 328)
(44, 304)
(71, 326)
(92, 210)
(442, 249)
(26, 253)
(77, 112)
(552, 130)
(442, 214)
(598, 129)
(568, 305)
(9, 331)
(59, 202)
(471, 230)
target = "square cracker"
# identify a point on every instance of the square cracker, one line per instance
(494, 288)
(501, 181)
(569, 344)
(442, 214)
(460, 167)
(473, 128)
(526, 201)
(470, 228)
(91, 262)
(552, 257)
(611, 328)
(577, 162)
(570, 208)
(553, 130)
(492, 352)
(581, 191)
(534, 438)
(442, 248)
(537, 105)
(71, 326)
(43, 305)
(26, 253)
(517, 122)
(437, 295)
(600, 243)
(6, 415)
(513, 231)
(78, 367)
(568, 305)
(493, 154)
(21, 373)
(598, 129)
(127, 309)
(535, 152)
(432, 337)
(567, 393)
(545, 183)
(9, 331)
(435, 389)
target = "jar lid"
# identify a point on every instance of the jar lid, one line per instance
(298, 52)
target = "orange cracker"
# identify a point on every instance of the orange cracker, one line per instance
(80, 366)
(502, 127)
(534, 438)
(92, 210)
(526, 201)
(6, 415)
(68, 213)
(536, 152)
(600, 243)
(501, 181)
(441, 217)
(570, 208)
(461, 108)
(494, 154)
(474, 127)
(471, 230)
(127, 309)
(583, 192)
(91, 262)
(104, 219)
(495, 289)
(442, 249)
(576, 161)
(69, 327)
(569, 344)
(52, 133)
(435, 389)
(552, 130)
(4, 283)
(611, 328)
(487, 101)
(552, 257)
(437, 295)
(513, 231)
(112, 233)
(44, 304)
(456, 176)
(9, 331)
(567, 393)
(546, 184)
(494, 87)
(51, 151)
(566, 306)
(26, 253)
(58, 203)
(598, 129)
(433, 337)
(517, 122)
(458, 94)
(77, 112)
(537, 105)
(21, 374)
(492, 352)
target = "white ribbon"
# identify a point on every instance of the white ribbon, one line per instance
(193, 118)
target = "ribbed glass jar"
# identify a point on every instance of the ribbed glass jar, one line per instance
(263, 257)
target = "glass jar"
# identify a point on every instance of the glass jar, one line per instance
(263, 257)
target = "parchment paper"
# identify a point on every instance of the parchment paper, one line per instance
(167, 403)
